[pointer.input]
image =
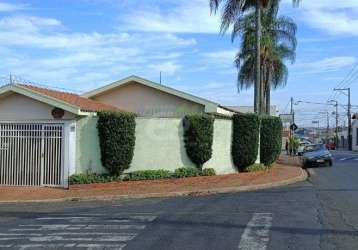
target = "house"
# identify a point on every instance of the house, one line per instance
(250, 109)
(147, 98)
(47, 135)
(355, 134)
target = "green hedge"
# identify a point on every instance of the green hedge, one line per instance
(256, 167)
(245, 141)
(198, 138)
(186, 172)
(271, 139)
(89, 178)
(148, 175)
(116, 132)
(165, 174)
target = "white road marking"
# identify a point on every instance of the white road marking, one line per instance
(356, 159)
(101, 247)
(20, 234)
(77, 227)
(63, 218)
(82, 232)
(49, 238)
(43, 246)
(144, 218)
(115, 227)
(93, 233)
(256, 234)
(5, 246)
(343, 159)
(118, 238)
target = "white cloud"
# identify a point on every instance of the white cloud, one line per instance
(43, 50)
(9, 7)
(330, 64)
(166, 67)
(332, 16)
(181, 16)
(221, 56)
(27, 24)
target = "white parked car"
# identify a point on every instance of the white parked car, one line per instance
(301, 148)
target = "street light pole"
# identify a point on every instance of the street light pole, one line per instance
(292, 132)
(337, 118)
(349, 114)
(336, 140)
(327, 131)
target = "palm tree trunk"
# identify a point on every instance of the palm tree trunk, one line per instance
(268, 92)
(258, 94)
(268, 99)
(263, 87)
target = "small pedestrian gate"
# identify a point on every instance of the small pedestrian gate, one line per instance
(31, 154)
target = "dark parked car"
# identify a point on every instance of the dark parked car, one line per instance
(315, 155)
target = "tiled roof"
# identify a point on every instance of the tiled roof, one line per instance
(82, 103)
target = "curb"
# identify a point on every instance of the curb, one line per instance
(302, 177)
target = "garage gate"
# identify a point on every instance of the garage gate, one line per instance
(31, 154)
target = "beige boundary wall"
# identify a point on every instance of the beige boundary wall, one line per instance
(159, 145)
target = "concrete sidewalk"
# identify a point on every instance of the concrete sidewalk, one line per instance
(286, 171)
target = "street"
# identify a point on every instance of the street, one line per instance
(321, 213)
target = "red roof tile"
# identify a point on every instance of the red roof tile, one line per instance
(82, 103)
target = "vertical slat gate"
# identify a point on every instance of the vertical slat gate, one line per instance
(31, 154)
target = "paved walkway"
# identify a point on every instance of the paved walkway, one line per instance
(286, 171)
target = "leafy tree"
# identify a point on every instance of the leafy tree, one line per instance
(234, 10)
(278, 44)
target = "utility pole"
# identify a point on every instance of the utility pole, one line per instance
(293, 117)
(336, 140)
(327, 132)
(327, 137)
(349, 114)
(337, 118)
(317, 133)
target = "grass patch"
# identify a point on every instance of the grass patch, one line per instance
(256, 167)
(89, 178)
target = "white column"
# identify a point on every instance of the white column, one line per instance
(69, 151)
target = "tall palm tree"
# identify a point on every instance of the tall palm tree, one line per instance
(278, 44)
(232, 10)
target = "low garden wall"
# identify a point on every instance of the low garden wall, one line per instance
(159, 144)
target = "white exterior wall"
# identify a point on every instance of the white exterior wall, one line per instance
(159, 145)
(16, 107)
(355, 135)
(147, 101)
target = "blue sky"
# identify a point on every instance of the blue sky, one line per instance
(83, 44)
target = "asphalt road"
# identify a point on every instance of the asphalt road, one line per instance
(321, 213)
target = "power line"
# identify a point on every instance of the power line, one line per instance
(351, 77)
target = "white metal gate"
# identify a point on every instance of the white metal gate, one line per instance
(31, 154)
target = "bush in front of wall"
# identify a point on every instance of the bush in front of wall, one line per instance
(186, 172)
(256, 167)
(270, 139)
(166, 174)
(245, 140)
(208, 172)
(198, 138)
(116, 132)
(89, 178)
(148, 175)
